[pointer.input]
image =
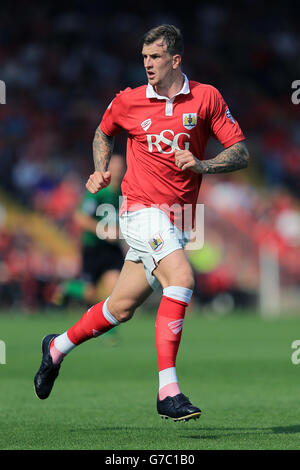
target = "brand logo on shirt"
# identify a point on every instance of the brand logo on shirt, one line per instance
(176, 326)
(146, 124)
(156, 242)
(228, 115)
(178, 142)
(189, 120)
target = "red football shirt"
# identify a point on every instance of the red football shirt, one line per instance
(156, 126)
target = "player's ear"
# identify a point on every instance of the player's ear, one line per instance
(176, 61)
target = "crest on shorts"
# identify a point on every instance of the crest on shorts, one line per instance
(189, 120)
(156, 242)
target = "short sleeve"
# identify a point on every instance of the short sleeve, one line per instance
(113, 121)
(222, 125)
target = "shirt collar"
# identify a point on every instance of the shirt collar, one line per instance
(185, 90)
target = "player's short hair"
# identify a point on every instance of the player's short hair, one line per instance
(170, 34)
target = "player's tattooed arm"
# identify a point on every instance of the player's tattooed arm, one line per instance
(235, 157)
(102, 149)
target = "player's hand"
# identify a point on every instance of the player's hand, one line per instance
(184, 160)
(97, 181)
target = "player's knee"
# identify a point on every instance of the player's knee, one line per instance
(122, 310)
(187, 281)
(183, 278)
(124, 315)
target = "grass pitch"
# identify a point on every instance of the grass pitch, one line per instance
(237, 369)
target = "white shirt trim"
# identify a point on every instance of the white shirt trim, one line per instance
(151, 93)
(185, 90)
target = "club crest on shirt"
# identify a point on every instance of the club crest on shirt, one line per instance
(189, 120)
(156, 242)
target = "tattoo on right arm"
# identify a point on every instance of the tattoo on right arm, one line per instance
(102, 149)
(232, 158)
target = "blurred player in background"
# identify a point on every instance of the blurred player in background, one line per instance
(102, 255)
(169, 122)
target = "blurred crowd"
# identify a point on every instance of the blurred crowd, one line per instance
(242, 224)
(27, 276)
(62, 65)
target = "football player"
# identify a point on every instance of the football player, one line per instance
(169, 121)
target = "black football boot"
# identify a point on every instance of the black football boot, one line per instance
(178, 408)
(48, 372)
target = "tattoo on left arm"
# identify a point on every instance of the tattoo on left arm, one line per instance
(102, 149)
(233, 158)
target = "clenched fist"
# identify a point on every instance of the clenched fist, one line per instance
(184, 160)
(97, 181)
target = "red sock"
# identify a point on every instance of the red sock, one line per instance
(93, 323)
(169, 322)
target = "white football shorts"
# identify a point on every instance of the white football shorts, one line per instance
(151, 236)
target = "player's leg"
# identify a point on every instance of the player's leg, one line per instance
(130, 291)
(175, 269)
(159, 244)
(176, 277)
(103, 289)
(97, 320)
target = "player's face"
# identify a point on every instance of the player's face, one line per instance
(158, 63)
